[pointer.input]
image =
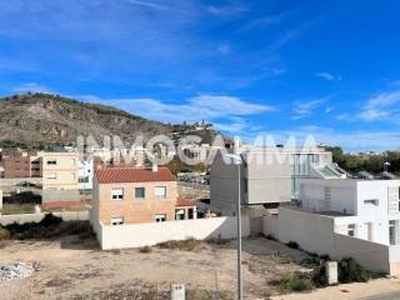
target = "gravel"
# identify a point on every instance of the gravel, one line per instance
(15, 271)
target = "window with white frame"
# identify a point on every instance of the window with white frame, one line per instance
(51, 176)
(117, 194)
(351, 229)
(51, 161)
(160, 192)
(117, 221)
(161, 217)
(140, 193)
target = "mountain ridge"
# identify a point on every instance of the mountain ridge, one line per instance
(41, 119)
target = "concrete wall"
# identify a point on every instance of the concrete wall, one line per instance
(271, 225)
(26, 218)
(315, 233)
(6, 182)
(372, 256)
(138, 235)
(60, 195)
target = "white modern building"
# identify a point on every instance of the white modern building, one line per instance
(342, 218)
(365, 209)
(269, 175)
(85, 174)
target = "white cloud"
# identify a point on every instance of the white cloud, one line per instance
(147, 4)
(224, 49)
(328, 76)
(262, 22)
(351, 140)
(228, 112)
(32, 87)
(383, 107)
(229, 10)
(303, 109)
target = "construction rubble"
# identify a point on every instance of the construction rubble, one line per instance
(15, 271)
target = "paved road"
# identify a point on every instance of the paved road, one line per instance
(390, 296)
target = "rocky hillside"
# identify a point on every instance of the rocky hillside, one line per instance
(40, 119)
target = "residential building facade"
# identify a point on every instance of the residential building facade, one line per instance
(85, 174)
(269, 175)
(132, 195)
(60, 177)
(17, 163)
(364, 209)
(344, 218)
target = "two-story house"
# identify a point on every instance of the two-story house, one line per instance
(132, 195)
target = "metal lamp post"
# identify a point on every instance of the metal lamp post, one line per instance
(237, 160)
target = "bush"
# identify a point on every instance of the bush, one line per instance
(50, 220)
(351, 271)
(4, 234)
(27, 197)
(298, 282)
(50, 227)
(293, 245)
(145, 249)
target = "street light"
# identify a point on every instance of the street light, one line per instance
(237, 160)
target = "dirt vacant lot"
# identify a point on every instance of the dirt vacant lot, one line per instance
(69, 271)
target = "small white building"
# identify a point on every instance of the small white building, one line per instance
(365, 209)
(85, 174)
(342, 218)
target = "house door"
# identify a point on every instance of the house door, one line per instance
(190, 213)
(368, 231)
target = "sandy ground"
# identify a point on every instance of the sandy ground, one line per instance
(70, 272)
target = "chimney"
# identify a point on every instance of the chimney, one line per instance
(155, 168)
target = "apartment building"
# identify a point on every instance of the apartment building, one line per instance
(269, 175)
(60, 177)
(85, 174)
(132, 195)
(17, 163)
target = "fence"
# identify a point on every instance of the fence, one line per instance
(26, 218)
(138, 235)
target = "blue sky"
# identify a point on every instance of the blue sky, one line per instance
(328, 68)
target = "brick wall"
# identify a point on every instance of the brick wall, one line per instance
(134, 210)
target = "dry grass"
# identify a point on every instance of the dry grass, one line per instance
(4, 234)
(186, 245)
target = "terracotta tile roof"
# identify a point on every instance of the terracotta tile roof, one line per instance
(133, 174)
(184, 202)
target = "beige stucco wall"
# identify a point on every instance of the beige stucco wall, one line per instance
(65, 170)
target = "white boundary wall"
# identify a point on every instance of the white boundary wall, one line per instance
(315, 233)
(148, 234)
(26, 218)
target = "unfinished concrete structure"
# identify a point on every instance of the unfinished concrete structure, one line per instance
(269, 175)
